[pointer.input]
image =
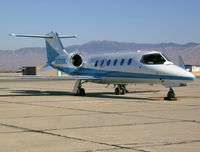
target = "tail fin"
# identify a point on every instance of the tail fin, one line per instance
(181, 62)
(54, 46)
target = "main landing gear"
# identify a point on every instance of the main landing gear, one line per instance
(170, 95)
(78, 90)
(120, 89)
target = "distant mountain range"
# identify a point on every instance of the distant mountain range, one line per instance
(13, 60)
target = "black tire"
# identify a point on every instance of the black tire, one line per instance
(82, 92)
(117, 91)
(171, 94)
(123, 91)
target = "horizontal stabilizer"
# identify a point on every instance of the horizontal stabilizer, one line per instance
(41, 36)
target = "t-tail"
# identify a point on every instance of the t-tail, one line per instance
(54, 47)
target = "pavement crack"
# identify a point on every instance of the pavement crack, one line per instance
(145, 145)
(116, 125)
(69, 137)
(169, 119)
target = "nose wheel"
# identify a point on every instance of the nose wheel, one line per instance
(170, 95)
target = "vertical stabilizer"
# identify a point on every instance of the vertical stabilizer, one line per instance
(181, 62)
(54, 47)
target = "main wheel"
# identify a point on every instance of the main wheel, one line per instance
(123, 91)
(82, 92)
(117, 91)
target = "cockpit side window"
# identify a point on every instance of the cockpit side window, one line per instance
(155, 58)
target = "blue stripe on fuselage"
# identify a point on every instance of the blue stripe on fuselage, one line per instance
(117, 74)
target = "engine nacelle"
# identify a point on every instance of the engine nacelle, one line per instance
(76, 60)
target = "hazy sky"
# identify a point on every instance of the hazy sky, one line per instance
(149, 21)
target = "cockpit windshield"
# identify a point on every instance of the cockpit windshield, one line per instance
(155, 58)
(166, 57)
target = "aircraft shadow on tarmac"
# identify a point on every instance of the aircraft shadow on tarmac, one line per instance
(64, 93)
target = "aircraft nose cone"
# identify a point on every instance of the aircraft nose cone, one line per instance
(191, 76)
(188, 76)
(182, 74)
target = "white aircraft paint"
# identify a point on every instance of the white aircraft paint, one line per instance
(119, 69)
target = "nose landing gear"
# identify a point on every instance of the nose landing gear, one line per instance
(170, 95)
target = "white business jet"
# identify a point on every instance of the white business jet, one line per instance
(120, 69)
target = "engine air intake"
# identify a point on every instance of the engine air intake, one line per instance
(76, 60)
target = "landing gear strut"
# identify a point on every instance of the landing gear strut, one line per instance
(170, 95)
(120, 89)
(78, 90)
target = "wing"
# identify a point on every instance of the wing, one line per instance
(51, 77)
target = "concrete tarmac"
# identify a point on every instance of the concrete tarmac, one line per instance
(44, 116)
